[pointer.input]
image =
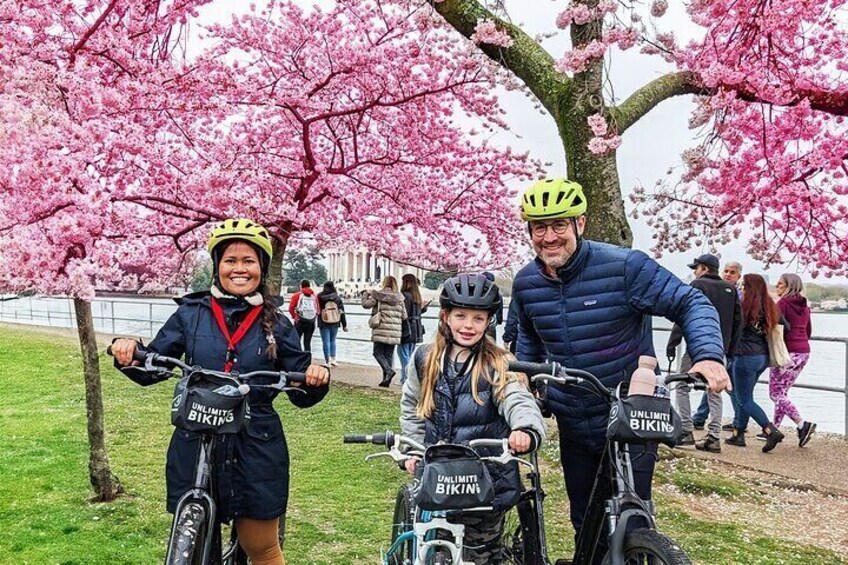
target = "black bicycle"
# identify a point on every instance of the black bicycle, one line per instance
(633, 536)
(211, 403)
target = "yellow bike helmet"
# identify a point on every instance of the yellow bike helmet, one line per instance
(551, 199)
(244, 230)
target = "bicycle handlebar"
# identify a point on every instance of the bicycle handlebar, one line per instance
(697, 380)
(162, 364)
(556, 373)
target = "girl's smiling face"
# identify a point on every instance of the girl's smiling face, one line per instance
(467, 326)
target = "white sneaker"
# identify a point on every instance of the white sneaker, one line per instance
(333, 362)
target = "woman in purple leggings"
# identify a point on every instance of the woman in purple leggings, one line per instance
(793, 306)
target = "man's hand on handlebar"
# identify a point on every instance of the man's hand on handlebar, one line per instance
(123, 350)
(715, 375)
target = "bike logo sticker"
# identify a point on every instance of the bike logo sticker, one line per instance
(209, 415)
(457, 484)
(613, 415)
(175, 405)
(651, 421)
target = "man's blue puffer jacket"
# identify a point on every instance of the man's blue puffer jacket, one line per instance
(596, 316)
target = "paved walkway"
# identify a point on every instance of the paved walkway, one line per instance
(820, 465)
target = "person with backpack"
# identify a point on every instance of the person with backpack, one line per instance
(331, 315)
(458, 389)
(304, 309)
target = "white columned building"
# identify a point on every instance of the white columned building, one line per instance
(355, 271)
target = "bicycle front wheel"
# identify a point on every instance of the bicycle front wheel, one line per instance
(649, 547)
(403, 552)
(186, 546)
(520, 537)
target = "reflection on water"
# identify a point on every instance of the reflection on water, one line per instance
(143, 317)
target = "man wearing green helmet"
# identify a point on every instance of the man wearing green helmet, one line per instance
(588, 305)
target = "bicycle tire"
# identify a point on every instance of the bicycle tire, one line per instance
(650, 547)
(402, 520)
(186, 547)
(520, 537)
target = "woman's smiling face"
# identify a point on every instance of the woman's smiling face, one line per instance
(239, 270)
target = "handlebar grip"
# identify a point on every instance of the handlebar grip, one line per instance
(295, 377)
(532, 368)
(139, 354)
(695, 379)
(355, 438)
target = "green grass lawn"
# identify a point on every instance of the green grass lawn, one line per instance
(340, 507)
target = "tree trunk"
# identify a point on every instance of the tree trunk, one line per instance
(106, 485)
(570, 102)
(275, 276)
(606, 218)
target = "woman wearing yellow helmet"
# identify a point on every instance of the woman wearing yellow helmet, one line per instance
(236, 326)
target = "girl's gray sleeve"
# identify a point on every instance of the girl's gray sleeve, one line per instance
(411, 425)
(518, 407)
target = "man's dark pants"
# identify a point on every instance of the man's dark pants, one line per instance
(580, 467)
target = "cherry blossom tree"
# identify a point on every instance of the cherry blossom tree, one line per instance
(769, 76)
(118, 150)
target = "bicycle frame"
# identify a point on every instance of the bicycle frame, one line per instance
(613, 496)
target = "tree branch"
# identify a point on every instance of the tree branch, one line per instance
(686, 82)
(526, 59)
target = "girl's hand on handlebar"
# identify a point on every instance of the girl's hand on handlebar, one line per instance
(410, 465)
(316, 375)
(520, 442)
(123, 350)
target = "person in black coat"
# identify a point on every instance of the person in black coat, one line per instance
(251, 467)
(412, 332)
(724, 298)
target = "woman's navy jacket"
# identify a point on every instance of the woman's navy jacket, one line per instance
(595, 315)
(252, 467)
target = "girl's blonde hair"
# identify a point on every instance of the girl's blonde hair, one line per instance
(490, 363)
(390, 283)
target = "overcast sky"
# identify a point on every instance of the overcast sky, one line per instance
(649, 148)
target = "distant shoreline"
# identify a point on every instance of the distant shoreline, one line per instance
(819, 311)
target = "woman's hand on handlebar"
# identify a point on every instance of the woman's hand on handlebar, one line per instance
(410, 465)
(123, 350)
(520, 442)
(316, 375)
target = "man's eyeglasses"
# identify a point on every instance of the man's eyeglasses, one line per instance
(539, 229)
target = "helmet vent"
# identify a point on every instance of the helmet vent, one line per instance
(545, 197)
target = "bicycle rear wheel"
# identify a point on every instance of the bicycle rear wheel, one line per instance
(402, 521)
(186, 546)
(520, 537)
(649, 547)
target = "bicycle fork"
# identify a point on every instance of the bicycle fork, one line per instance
(199, 494)
(624, 505)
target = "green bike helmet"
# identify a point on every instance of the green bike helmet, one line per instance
(551, 199)
(244, 230)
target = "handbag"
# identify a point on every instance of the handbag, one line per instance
(203, 403)
(454, 478)
(643, 419)
(778, 353)
(376, 318)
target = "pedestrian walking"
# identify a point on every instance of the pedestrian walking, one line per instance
(331, 316)
(722, 295)
(413, 329)
(750, 358)
(793, 306)
(303, 309)
(386, 322)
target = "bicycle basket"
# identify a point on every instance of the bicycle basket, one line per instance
(454, 478)
(209, 404)
(643, 419)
